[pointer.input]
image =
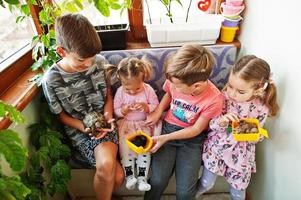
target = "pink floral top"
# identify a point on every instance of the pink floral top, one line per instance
(221, 150)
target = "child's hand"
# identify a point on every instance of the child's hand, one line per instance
(158, 142)
(141, 106)
(103, 131)
(229, 117)
(152, 118)
(126, 109)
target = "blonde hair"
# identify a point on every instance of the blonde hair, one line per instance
(133, 67)
(253, 69)
(190, 64)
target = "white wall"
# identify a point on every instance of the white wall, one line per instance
(271, 30)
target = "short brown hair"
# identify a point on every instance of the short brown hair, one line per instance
(76, 34)
(190, 64)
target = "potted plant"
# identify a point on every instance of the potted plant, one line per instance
(12, 149)
(46, 172)
(112, 33)
(169, 30)
(113, 36)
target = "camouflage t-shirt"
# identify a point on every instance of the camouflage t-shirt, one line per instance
(76, 93)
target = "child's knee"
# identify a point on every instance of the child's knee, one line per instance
(105, 167)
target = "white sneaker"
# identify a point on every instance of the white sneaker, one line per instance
(143, 185)
(130, 182)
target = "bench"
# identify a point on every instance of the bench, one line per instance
(81, 183)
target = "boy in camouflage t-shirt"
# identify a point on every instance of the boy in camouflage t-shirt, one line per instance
(76, 86)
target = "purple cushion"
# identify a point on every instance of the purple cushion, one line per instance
(225, 56)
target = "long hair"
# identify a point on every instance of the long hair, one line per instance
(253, 69)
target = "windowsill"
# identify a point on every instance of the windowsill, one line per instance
(144, 44)
(21, 92)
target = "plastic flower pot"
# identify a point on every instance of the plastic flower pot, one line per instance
(113, 37)
(233, 17)
(231, 22)
(228, 9)
(228, 33)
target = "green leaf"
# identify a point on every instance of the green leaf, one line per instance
(45, 40)
(79, 4)
(179, 1)
(165, 2)
(13, 150)
(2, 4)
(115, 6)
(60, 176)
(70, 6)
(128, 4)
(51, 34)
(20, 19)
(13, 188)
(34, 40)
(11, 112)
(32, 2)
(13, 2)
(25, 10)
(103, 7)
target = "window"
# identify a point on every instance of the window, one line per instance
(96, 18)
(14, 37)
(157, 11)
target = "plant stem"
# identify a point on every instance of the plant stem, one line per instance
(169, 12)
(187, 14)
(148, 11)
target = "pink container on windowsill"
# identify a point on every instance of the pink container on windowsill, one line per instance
(227, 9)
(234, 2)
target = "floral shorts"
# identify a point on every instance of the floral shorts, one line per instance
(86, 147)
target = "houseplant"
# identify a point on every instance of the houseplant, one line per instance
(44, 53)
(46, 171)
(12, 149)
(170, 30)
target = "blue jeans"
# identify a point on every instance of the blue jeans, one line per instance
(181, 156)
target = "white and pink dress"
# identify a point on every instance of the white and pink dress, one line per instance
(226, 157)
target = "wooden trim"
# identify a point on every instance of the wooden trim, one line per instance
(137, 30)
(9, 75)
(34, 10)
(19, 94)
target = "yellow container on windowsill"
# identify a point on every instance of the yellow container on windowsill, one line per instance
(140, 149)
(228, 33)
(248, 136)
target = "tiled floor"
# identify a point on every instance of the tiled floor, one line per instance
(220, 196)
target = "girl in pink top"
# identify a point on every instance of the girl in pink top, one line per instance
(249, 93)
(132, 102)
